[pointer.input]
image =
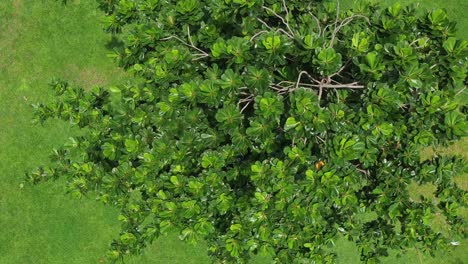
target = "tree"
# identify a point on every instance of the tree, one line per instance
(276, 127)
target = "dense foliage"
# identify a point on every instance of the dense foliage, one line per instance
(267, 126)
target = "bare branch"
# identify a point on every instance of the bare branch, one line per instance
(461, 91)
(258, 34)
(299, 78)
(320, 93)
(246, 100)
(245, 106)
(337, 14)
(340, 70)
(363, 171)
(343, 23)
(318, 23)
(325, 29)
(264, 23)
(286, 9)
(270, 28)
(353, 85)
(198, 56)
(189, 37)
(282, 20)
(286, 33)
(321, 139)
(325, 83)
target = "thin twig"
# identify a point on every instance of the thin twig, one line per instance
(246, 100)
(286, 33)
(320, 93)
(258, 34)
(337, 14)
(318, 23)
(270, 28)
(321, 139)
(246, 105)
(340, 70)
(286, 9)
(282, 20)
(343, 23)
(353, 85)
(299, 78)
(363, 171)
(325, 29)
(461, 91)
(264, 23)
(189, 37)
(337, 95)
(202, 53)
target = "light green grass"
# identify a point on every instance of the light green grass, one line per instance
(40, 40)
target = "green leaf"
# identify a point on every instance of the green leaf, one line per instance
(271, 107)
(386, 129)
(449, 44)
(172, 57)
(204, 227)
(456, 123)
(395, 10)
(272, 42)
(236, 228)
(437, 17)
(128, 238)
(229, 117)
(233, 247)
(328, 60)
(109, 151)
(131, 145)
(218, 49)
(138, 67)
(393, 210)
(311, 41)
(261, 197)
(372, 59)
(291, 123)
(360, 42)
(175, 180)
(454, 46)
(230, 80)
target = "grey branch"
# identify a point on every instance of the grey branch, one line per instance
(285, 22)
(197, 56)
(343, 23)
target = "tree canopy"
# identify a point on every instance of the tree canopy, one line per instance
(273, 127)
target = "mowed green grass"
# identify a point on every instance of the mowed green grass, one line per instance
(40, 40)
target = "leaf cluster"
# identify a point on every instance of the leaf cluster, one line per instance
(272, 127)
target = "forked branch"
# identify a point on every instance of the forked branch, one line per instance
(197, 56)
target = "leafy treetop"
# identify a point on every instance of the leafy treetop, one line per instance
(275, 127)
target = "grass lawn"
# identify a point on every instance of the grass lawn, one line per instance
(40, 40)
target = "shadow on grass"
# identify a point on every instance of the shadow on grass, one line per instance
(114, 43)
